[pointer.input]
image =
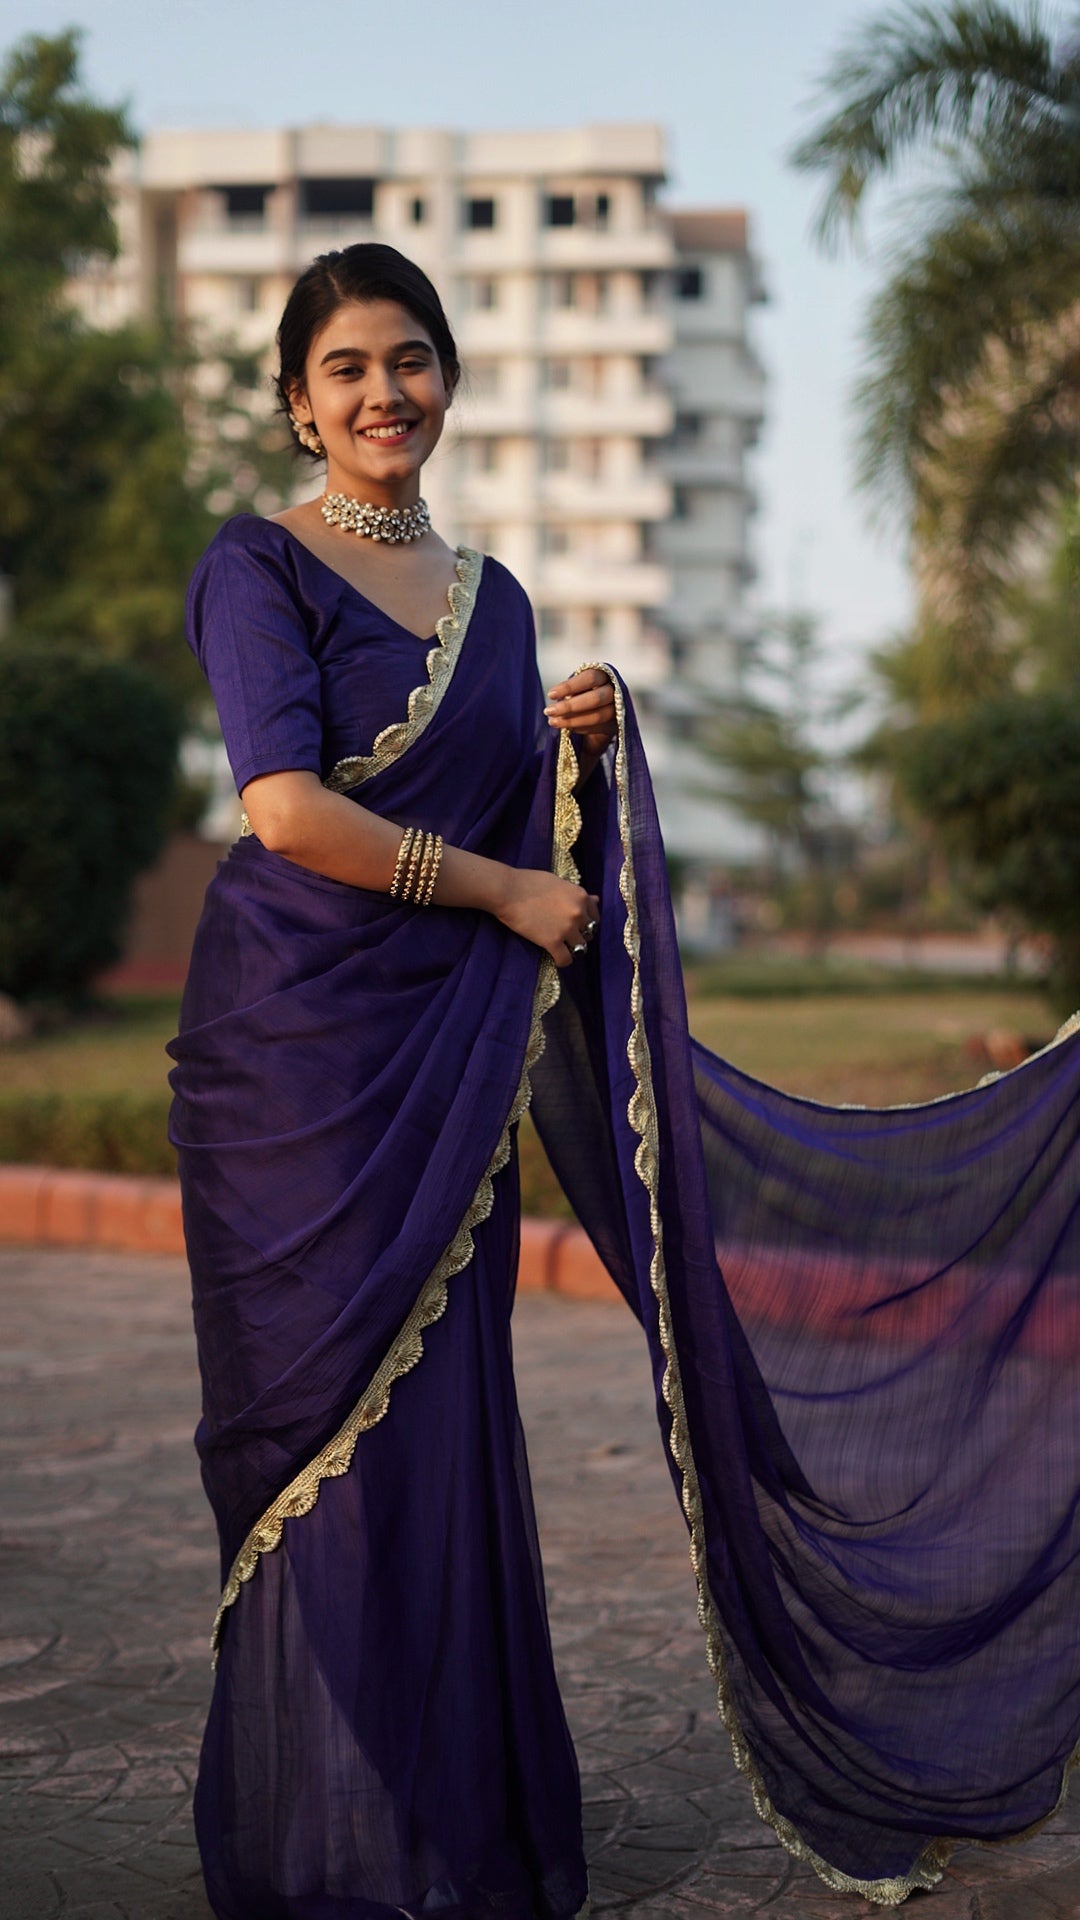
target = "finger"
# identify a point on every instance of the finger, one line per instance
(600, 700)
(579, 682)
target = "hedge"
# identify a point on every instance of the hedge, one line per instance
(125, 1133)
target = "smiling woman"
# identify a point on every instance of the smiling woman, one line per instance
(452, 902)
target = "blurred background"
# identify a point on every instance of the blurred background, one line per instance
(772, 397)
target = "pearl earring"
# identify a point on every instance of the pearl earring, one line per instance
(306, 434)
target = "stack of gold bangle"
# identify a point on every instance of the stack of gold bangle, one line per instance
(417, 867)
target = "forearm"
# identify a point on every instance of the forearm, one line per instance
(334, 836)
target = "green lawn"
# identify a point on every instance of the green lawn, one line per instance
(877, 1049)
(95, 1093)
(119, 1049)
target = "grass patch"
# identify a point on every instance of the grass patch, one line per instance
(94, 1094)
(792, 977)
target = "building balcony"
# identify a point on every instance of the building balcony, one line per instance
(695, 465)
(505, 249)
(605, 250)
(571, 496)
(562, 332)
(584, 580)
(574, 330)
(238, 250)
(561, 498)
(645, 415)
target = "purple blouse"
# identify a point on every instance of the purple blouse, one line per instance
(304, 669)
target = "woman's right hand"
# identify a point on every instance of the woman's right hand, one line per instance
(554, 914)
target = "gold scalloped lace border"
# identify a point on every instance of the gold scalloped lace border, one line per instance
(642, 1115)
(302, 1492)
(424, 700)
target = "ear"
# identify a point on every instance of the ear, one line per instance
(451, 375)
(299, 404)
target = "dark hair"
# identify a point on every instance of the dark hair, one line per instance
(367, 271)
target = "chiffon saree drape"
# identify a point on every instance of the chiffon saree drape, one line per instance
(863, 1329)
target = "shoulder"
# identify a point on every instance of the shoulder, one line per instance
(504, 586)
(247, 572)
(246, 539)
(246, 551)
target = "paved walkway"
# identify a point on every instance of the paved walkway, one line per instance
(107, 1571)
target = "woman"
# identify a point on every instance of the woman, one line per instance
(449, 899)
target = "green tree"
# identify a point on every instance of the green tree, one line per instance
(971, 407)
(111, 455)
(87, 760)
(1002, 787)
(775, 765)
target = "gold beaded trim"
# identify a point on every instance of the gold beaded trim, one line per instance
(302, 1493)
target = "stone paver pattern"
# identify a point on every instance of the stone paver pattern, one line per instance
(108, 1576)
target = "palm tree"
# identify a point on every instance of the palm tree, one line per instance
(971, 405)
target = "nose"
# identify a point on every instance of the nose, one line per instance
(381, 388)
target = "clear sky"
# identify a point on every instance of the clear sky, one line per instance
(728, 79)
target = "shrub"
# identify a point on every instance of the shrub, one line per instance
(87, 765)
(126, 1133)
(101, 1132)
(1001, 787)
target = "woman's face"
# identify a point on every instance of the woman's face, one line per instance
(376, 393)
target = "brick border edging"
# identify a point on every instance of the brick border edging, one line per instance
(58, 1207)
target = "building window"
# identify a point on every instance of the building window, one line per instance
(248, 293)
(562, 289)
(484, 454)
(338, 198)
(479, 213)
(688, 428)
(690, 283)
(557, 375)
(554, 540)
(555, 455)
(553, 623)
(559, 210)
(245, 203)
(603, 209)
(417, 212)
(481, 293)
(591, 458)
(483, 378)
(680, 503)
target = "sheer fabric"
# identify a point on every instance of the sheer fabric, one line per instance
(862, 1327)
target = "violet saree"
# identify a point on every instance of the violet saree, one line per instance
(863, 1326)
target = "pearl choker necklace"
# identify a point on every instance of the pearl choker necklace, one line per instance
(375, 523)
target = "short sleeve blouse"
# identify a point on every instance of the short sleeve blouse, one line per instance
(304, 669)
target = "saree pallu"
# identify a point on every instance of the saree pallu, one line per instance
(863, 1329)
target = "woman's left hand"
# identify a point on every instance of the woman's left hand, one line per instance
(585, 704)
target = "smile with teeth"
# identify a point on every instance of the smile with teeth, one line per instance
(396, 431)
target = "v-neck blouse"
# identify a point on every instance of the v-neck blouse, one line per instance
(304, 669)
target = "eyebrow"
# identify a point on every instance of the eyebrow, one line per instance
(362, 353)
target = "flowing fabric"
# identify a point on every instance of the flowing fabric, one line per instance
(863, 1326)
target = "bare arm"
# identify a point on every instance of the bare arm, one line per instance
(295, 815)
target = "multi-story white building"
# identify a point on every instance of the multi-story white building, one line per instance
(598, 443)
